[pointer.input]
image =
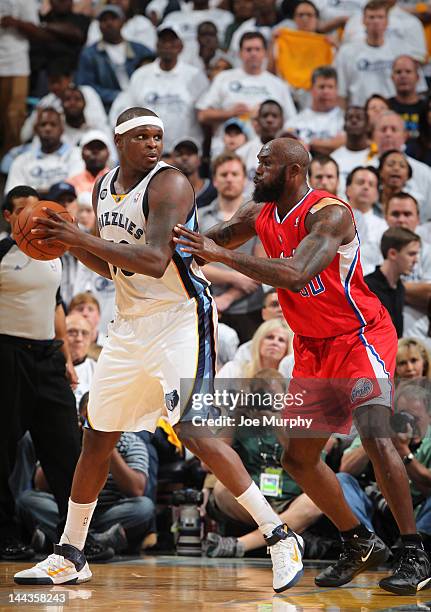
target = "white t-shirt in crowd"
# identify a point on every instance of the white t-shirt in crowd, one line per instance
(41, 170)
(186, 23)
(118, 55)
(347, 160)
(405, 31)
(103, 290)
(84, 372)
(235, 86)
(419, 186)
(370, 229)
(330, 9)
(248, 153)
(310, 124)
(364, 70)
(137, 29)
(14, 47)
(94, 111)
(416, 322)
(172, 95)
(235, 368)
(227, 343)
(249, 26)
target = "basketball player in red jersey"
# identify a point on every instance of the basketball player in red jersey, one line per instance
(342, 331)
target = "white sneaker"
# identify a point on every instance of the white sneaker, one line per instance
(286, 548)
(67, 565)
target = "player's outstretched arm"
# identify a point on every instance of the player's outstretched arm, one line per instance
(239, 229)
(328, 228)
(170, 200)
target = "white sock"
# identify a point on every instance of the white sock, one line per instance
(258, 507)
(77, 524)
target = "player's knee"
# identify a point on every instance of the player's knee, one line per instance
(98, 445)
(379, 448)
(295, 462)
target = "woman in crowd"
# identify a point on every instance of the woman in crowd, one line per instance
(271, 347)
(413, 360)
(394, 172)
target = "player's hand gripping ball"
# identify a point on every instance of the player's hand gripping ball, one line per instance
(30, 243)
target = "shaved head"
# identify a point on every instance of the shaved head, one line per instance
(290, 151)
(283, 164)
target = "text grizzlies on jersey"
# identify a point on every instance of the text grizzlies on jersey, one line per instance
(118, 219)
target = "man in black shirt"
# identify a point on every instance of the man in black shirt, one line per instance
(407, 101)
(400, 248)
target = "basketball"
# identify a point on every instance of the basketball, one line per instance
(28, 242)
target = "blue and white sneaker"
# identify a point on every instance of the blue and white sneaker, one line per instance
(67, 565)
(286, 548)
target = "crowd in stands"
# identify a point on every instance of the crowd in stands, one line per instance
(350, 80)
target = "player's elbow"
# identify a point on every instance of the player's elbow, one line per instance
(296, 283)
(159, 266)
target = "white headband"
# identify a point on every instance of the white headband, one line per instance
(137, 122)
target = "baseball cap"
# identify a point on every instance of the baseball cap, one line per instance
(169, 28)
(93, 135)
(187, 143)
(234, 122)
(111, 8)
(59, 189)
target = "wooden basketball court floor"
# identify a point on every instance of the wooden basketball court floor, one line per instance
(186, 584)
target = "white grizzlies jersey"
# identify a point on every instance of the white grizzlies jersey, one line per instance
(123, 219)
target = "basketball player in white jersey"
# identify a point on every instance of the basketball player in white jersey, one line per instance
(163, 334)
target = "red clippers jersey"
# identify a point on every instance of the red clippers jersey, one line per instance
(337, 301)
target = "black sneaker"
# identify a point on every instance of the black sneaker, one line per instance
(412, 573)
(217, 546)
(97, 551)
(114, 537)
(12, 549)
(358, 555)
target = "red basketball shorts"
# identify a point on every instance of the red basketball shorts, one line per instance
(334, 376)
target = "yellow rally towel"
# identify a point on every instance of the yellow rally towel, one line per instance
(423, 7)
(172, 437)
(298, 54)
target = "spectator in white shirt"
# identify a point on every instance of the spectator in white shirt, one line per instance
(394, 172)
(235, 135)
(402, 211)
(136, 28)
(390, 133)
(364, 67)
(362, 195)
(269, 125)
(187, 20)
(49, 163)
(353, 153)
(59, 80)
(265, 18)
(324, 174)
(321, 126)
(374, 107)
(170, 88)
(239, 92)
(404, 30)
(79, 339)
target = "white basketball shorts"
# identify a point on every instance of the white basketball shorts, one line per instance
(148, 362)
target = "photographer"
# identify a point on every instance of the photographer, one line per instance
(261, 453)
(412, 440)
